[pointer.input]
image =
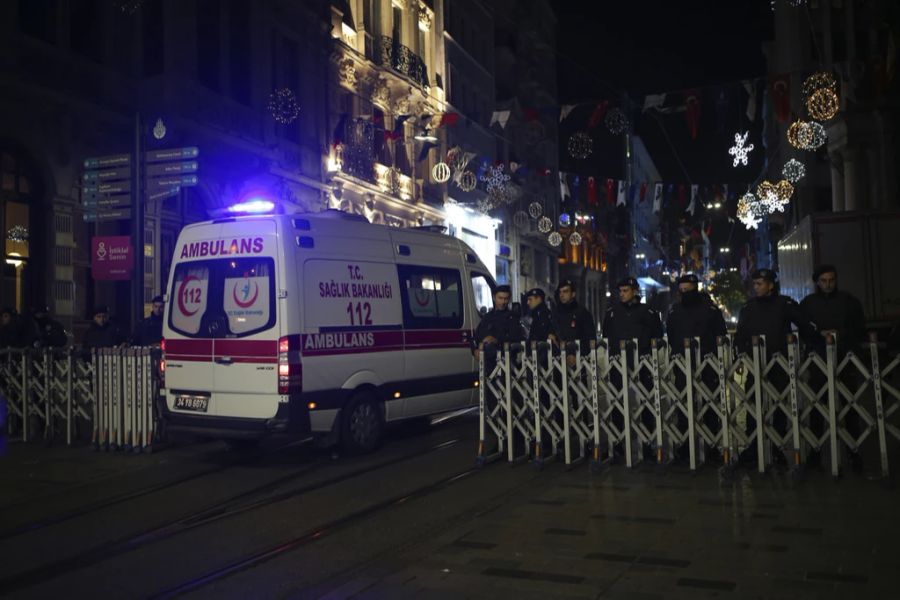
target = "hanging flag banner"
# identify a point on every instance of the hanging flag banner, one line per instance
(620, 193)
(501, 117)
(657, 198)
(695, 192)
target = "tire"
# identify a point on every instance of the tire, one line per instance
(362, 424)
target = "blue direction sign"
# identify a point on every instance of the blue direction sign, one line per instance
(160, 183)
(173, 168)
(94, 202)
(116, 187)
(105, 162)
(155, 156)
(110, 175)
(164, 193)
(108, 215)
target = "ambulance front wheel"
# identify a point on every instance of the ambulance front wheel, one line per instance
(362, 424)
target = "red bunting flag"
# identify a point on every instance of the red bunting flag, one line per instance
(681, 194)
(781, 97)
(449, 119)
(531, 114)
(598, 113)
(643, 191)
(692, 111)
(610, 191)
(592, 192)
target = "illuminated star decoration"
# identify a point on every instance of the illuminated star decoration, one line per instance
(495, 182)
(739, 151)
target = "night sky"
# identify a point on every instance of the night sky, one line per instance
(610, 48)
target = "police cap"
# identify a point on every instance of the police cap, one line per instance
(689, 278)
(566, 283)
(156, 299)
(535, 292)
(40, 309)
(822, 269)
(767, 274)
(100, 309)
(629, 282)
(503, 289)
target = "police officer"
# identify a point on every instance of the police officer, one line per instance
(629, 319)
(148, 331)
(572, 321)
(838, 313)
(49, 332)
(500, 325)
(102, 333)
(834, 311)
(541, 328)
(771, 314)
(694, 315)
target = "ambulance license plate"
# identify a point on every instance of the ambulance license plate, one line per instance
(194, 403)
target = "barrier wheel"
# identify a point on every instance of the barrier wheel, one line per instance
(362, 423)
(596, 467)
(726, 473)
(537, 465)
(479, 462)
(797, 474)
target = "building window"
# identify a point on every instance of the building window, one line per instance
(63, 223)
(16, 229)
(63, 256)
(63, 291)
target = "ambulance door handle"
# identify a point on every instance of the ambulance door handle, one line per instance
(224, 360)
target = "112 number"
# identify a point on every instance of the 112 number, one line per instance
(360, 313)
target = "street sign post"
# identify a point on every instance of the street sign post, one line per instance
(105, 162)
(92, 202)
(116, 214)
(112, 187)
(164, 193)
(109, 175)
(174, 168)
(168, 154)
(156, 184)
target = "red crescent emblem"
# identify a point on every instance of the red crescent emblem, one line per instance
(249, 302)
(181, 289)
(419, 299)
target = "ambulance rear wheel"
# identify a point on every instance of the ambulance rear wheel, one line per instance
(362, 424)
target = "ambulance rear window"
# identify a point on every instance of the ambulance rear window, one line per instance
(223, 298)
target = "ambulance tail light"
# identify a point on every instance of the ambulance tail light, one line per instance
(290, 371)
(162, 363)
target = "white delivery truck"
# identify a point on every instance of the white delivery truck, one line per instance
(320, 323)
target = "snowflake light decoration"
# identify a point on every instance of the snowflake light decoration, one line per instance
(616, 121)
(467, 181)
(545, 225)
(555, 239)
(739, 151)
(485, 205)
(283, 106)
(575, 238)
(580, 145)
(535, 209)
(495, 181)
(750, 211)
(793, 170)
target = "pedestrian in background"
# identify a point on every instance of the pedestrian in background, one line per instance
(102, 333)
(148, 331)
(571, 321)
(49, 333)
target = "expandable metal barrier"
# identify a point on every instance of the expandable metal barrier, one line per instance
(112, 388)
(545, 403)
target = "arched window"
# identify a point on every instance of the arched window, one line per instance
(16, 196)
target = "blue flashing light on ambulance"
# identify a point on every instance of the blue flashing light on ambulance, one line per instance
(317, 323)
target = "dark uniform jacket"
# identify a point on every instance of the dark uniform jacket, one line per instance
(541, 324)
(148, 331)
(624, 322)
(13, 334)
(772, 316)
(107, 336)
(839, 311)
(695, 316)
(501, 324)
(572, 322)
(50, 333)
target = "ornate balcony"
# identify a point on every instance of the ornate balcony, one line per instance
(398, 57)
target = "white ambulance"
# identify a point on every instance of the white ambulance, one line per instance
(319, 323)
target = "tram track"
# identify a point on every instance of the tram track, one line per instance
(144, 491)
(215, 512)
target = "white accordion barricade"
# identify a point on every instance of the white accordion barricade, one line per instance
(110, 390)
(546, 403)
